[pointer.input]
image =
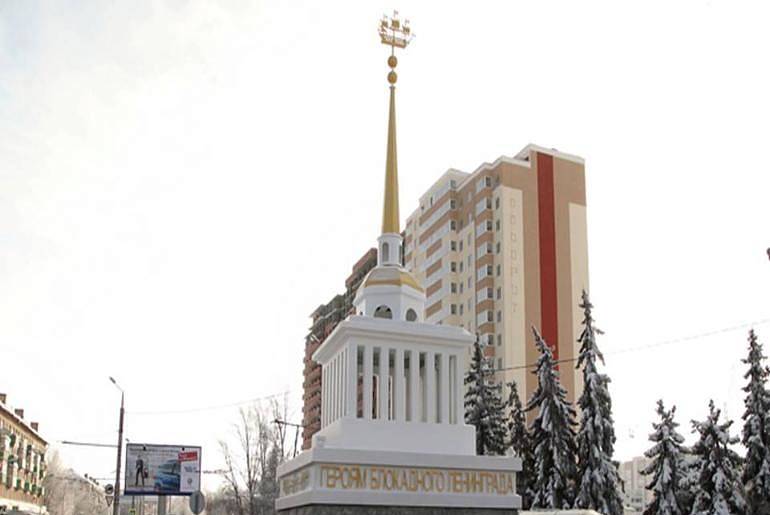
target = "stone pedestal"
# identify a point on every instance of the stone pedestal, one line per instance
(341, 481)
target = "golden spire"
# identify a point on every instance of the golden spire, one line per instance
(395, 34)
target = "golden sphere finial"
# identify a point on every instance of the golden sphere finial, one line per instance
(392, 61)
(392, 77)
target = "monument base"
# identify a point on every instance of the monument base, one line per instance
(342, 509)
(355, 481)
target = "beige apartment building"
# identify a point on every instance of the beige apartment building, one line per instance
(22, 462)
(503, 249)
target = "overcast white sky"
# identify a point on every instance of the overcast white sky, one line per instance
(182, 183)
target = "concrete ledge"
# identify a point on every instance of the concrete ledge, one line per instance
(399, 459)
(331, 509)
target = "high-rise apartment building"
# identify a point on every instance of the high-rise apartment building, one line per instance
(503, 249)
(325, 319)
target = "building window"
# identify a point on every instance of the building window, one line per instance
(453, 287)
(490, 316)
(385, 252)
(411, 315)
(489, 224)
(498, 270)
(470, 257)
(461, 308)
(383, 312)
(453, 225)
(489, 203)
(461, 266)
(497, 202)
(488, 181)
(499, 363)
(453, 245)
(497, 225)
(489, 269)
(452, 204)
(461, 287)
(453, 266)
(489, 293)
(469, 282)
(453, 309)
(497, 247)
(499, 340)
(499, 316)
(461, 245)
(499, 293)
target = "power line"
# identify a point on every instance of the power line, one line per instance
(515, 367)
(210, 408)
(87, 444)
(651, 345)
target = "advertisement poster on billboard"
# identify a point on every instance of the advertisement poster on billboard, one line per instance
(162, 469)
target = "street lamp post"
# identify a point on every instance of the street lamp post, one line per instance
(116, 501)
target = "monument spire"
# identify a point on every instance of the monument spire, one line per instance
(395, 34)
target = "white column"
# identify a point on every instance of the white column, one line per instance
(383, 392)
(332, 390)
(336, 387)
(430, 387)
(368, 362)
(338, 396)
(459, 374)
(399, 395)
(444, 388)
(351, 381)
(324, 394)
(414, 385)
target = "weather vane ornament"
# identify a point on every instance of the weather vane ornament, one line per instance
(396, 34)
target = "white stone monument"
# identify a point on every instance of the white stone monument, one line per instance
(393, 437)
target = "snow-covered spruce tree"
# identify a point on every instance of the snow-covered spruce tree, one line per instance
(664, 467)
(598, 481)
(719, 490)
(520, 443)
(553, 435)
(756, 431)
(484, 405)
(689, 472)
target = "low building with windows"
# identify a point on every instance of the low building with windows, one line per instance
(22, 462)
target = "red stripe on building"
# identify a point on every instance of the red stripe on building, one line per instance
(547, 229)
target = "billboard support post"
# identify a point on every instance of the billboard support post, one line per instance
(162, 505)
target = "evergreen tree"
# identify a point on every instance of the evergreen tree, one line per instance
(665, 467)
(756, 431)
(553, 435)
(689, 467)
(719, 490)
(484, 405)
(521, 445)
(598, 481)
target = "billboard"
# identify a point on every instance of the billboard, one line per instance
(162, 469)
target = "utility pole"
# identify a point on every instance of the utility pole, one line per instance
(296, 433)
(116, 502)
